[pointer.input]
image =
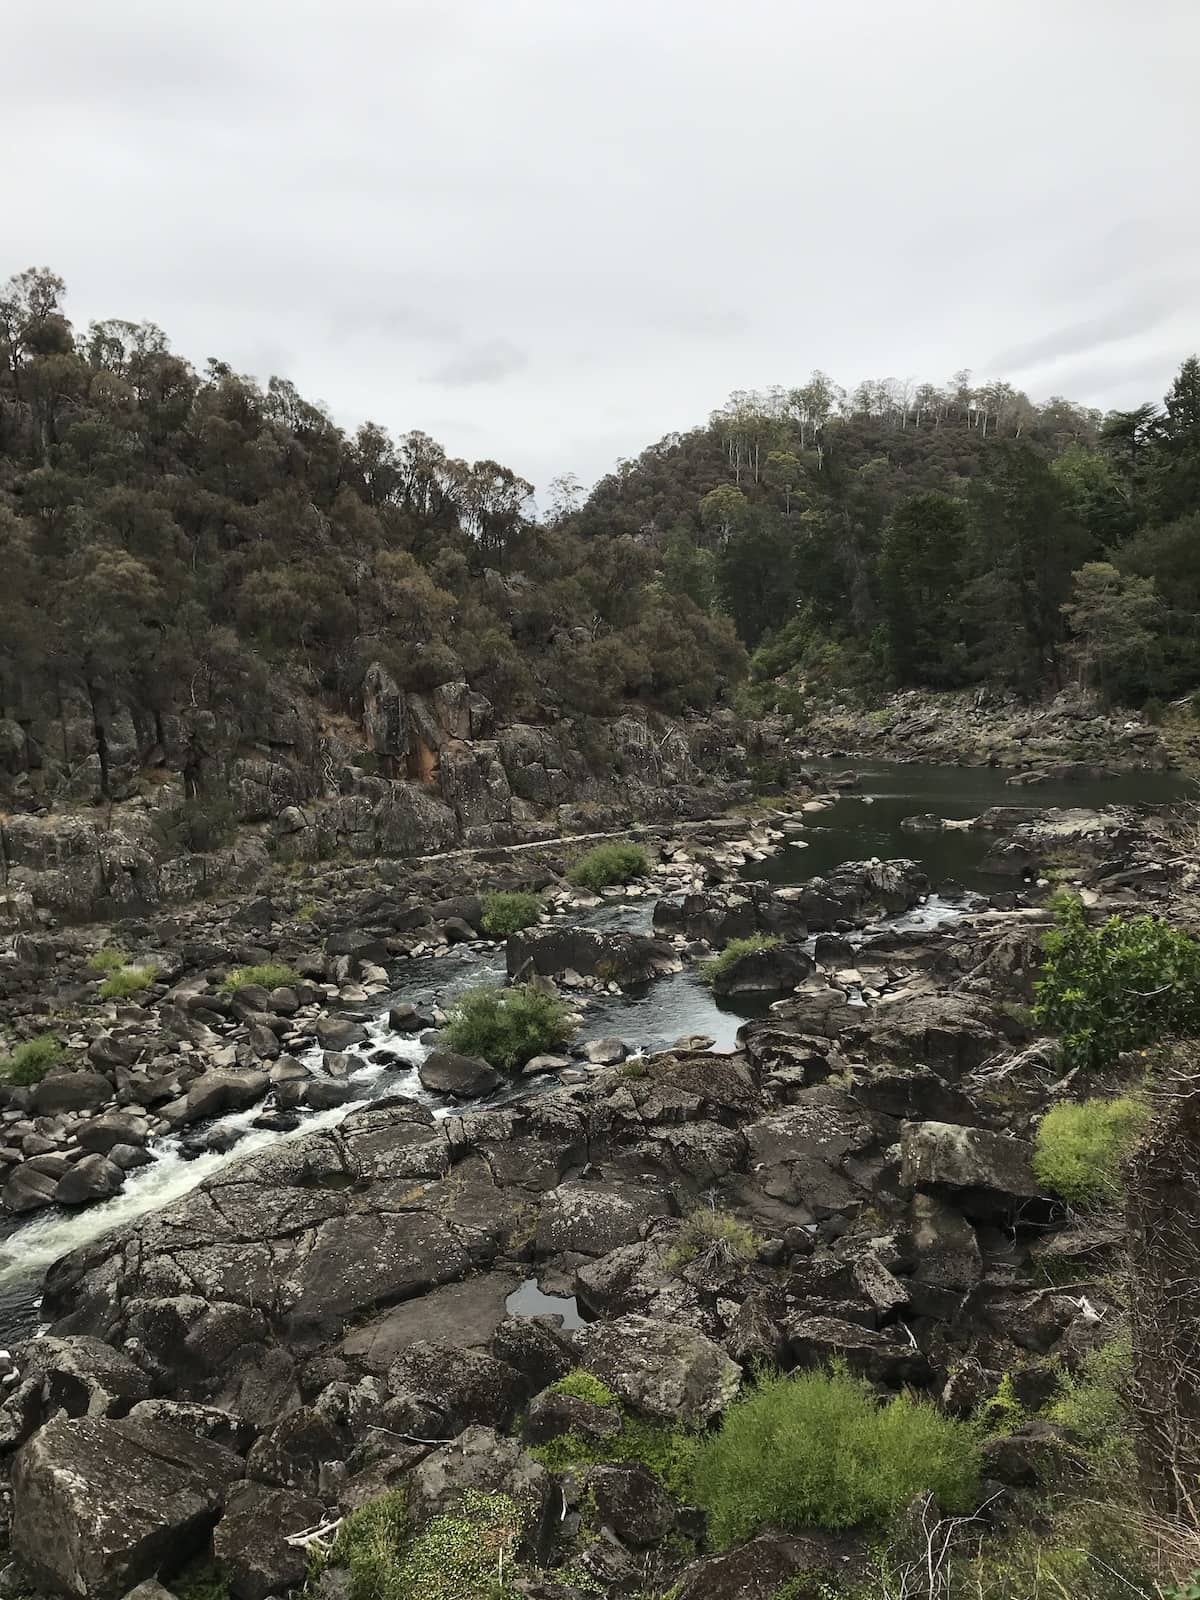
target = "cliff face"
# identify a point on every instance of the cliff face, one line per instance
(418, 774)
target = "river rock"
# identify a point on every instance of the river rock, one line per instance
(591, 1219)
(804, 1566)
(439, 1389)
(70, 1091)
(114, 1128)
(983, 1170)
(93, 1178)
(632, 1502)
(250, 1542)
(99, 1505)
(604, 1052)
(772, 971)
(461, 1077)
(883, 1357)
(339, 1033)
(627, 959)
(28, 1188)
(662, 1369)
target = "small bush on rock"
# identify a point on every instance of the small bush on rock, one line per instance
(269, 975)
(668, 1452)
(1081, 1144)
(467, 1553)
(817, 1449)
(108, 958)
(1126, 983)
(508, 911)
(734, 951)
(619, 862)
(369, 1545)
(127, 980)
(507, 1027)
(713, 1238)
(29, 1063)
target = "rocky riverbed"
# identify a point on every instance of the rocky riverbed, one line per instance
(332, 1299)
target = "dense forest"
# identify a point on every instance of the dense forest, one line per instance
(902, 535)
(171, 536)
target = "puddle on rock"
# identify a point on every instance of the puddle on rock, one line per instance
(527, 1300)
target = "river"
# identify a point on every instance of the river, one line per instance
(862, 824)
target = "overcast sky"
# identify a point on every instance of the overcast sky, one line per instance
(550, 231)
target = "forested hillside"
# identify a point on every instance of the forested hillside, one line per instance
(902, 535)
(173, 538)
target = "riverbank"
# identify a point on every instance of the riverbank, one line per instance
(334, 1309)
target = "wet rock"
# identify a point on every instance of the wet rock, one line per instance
(339, 1033)
(130, 1156)
(460, 1077)
(543, 1064)
(250, 1541)
(93, 1178)
(662, 1369)
(99, 1505)
(115, 1127)
(772, 971)
(27, 1188)
(604, 1052)
(405, 1018)
(320, 1094)
(215, 1092)
(627, 959)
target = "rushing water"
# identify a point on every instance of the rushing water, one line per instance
(865, 823)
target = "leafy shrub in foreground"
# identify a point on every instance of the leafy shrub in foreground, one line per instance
(1126, 983)
(1080, 1145)
(508, 911)
(268, 975)
(816, 1449)
(507, 1027)
(29, 1063)
(734, 951)
(668, 1452)
(128, 980)
(618, 862)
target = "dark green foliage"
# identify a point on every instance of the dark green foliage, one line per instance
(817, 1449)
(29, 1063)
(1126, 983)
(507, 911)
(920, 582)
(1081, 1144)
(506, 1027)
(617, 862)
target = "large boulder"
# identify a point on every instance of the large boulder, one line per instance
(439, 1389)
(593, 1218)
(251, 1540)
(662, 1369)
(986, 1172)
(99, 1505)
(459, 1077)
(882, 1356)
(774, 970)
(803, 1566)
(70, 1091)
(628, 959)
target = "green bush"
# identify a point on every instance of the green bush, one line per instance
(1154, 711)
(668, 1452)
(734, 951)
(29, 1063)
(507, 1027)
(1118, 986)
(369, 1545)
(816, 1449)
(1095, 1403)
(715, 1238)
(269, 975)
(1080, 1145)
(108, 958)
(507, 911)
(618, 862)
(128, 980)
(466, 1553)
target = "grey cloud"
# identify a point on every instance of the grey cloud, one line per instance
(653, 204)
(487, 362)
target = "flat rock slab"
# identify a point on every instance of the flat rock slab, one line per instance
(465, 1314)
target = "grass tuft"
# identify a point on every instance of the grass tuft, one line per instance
(29, 1063)
(734, 951)
(128, 980)
(1081, 1145)
(618, 862)
(269, 975)
(714, 1239)
(108, 958)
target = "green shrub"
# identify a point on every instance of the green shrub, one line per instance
(1095, 1404)
(29, 1063)
(1123, 984)
(714, 1238)
(816, 1449)
(1154, 711)
(507, 1027)
(128, 980)
(507, 911)
(270, 975)
(734, 951)
(584, 1385)
(108, 958)
(618, 862)
(369, 1545)
(466, 1553)
(669, 1453)
(1080, 1146)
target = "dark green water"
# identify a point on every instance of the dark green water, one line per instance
(867, 822)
